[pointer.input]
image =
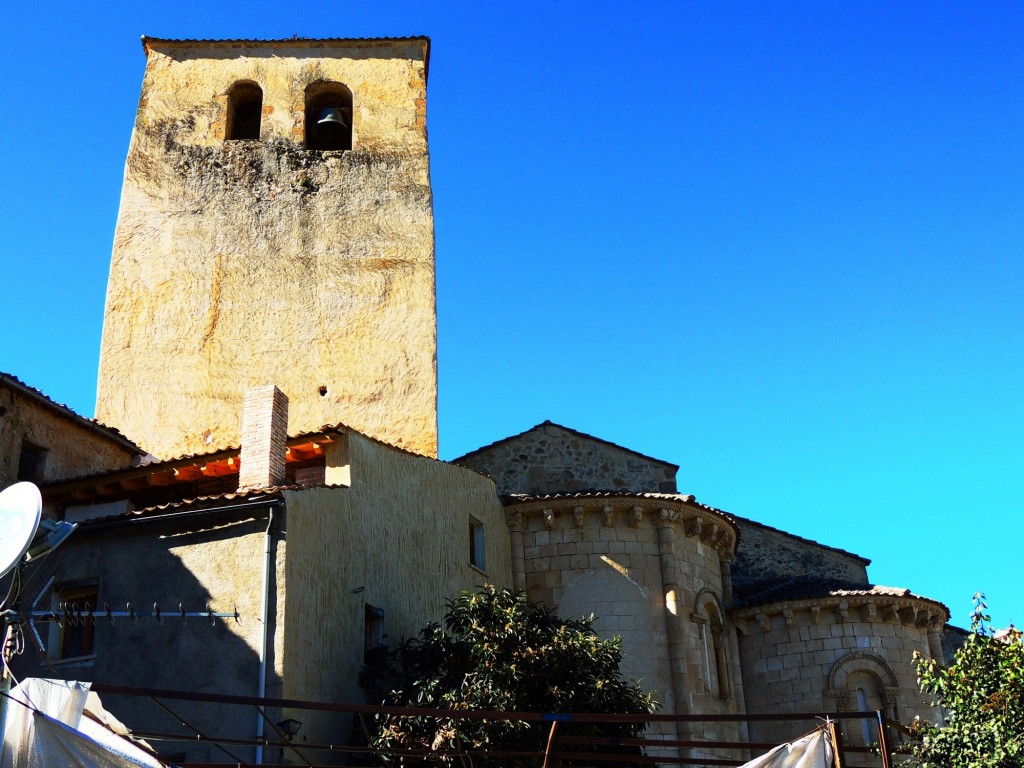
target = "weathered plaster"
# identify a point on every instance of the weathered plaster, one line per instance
(243, 263)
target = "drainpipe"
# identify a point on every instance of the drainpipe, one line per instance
(264, 618)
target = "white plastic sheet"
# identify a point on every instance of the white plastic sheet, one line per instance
(59, 727)
(811, 751)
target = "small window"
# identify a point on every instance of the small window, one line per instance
(328, 120)
(31, 462)
(373, 628)
(476, 544)
(245, 110)
(73, 636)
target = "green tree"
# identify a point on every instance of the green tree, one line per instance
(499, 652)
(982, 697)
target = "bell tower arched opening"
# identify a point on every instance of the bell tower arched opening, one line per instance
(328, 121)
(245, 110)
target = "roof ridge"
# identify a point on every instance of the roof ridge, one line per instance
(70, 413)
(549, 423)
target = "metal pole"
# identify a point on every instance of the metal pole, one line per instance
(833, 734)
(883, 742)
(5, 682)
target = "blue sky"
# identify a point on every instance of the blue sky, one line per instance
(778, 244)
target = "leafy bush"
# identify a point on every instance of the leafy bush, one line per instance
(499, 652)
(982, 697)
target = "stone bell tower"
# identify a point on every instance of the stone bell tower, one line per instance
(276, 227)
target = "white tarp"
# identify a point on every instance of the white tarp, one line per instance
(811, 751)
(62, 726)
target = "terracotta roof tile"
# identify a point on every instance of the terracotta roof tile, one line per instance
(293, 39)
(211, 502)
(64, 410)
(811, 587)
(522, 498)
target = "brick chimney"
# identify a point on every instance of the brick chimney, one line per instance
(264, 433)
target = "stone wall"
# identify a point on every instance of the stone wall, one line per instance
(552, 459)
(814, 655)
(72, 449)
(398, 540)
(646, 568)
(238, 263)
(767, 555)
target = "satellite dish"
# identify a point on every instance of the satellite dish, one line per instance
(21, 507)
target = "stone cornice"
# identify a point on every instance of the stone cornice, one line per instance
(692, 520)
(910, 611)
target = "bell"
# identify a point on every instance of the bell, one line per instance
(332, 117)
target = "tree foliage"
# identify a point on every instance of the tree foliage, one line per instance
(982, 697)
(499, 652)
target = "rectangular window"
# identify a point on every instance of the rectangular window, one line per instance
(73, 636)
(476, 544)
(373, 628)
(31, 461)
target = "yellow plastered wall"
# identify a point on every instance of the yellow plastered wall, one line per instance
(242, 263)
(396, 539)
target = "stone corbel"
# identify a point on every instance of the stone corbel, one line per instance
(549, 518)
(765, 621)
(709, 533)
(607, 516)
(815, 614)
(870, 612)
(636, 516)
(577, 517)
(515, 522)
(843, 612)
(787, 614)
(693, 527)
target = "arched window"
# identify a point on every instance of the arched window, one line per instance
(245, 108)
(328, 122)
(708, 615)
(864, 682)
(866, 690)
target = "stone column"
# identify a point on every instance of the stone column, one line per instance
(722, 662)
(516, 526)
(725, 565)
(935, 640)
(673, 619)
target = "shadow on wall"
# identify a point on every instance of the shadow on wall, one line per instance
(191, 562)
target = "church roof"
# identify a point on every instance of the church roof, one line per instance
(60, 409)
(747, 521)
(149, 43)
(811, 588)
(571, 431)
(146, 39)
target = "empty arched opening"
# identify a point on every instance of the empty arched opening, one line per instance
(245, 109)
(328, 121)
